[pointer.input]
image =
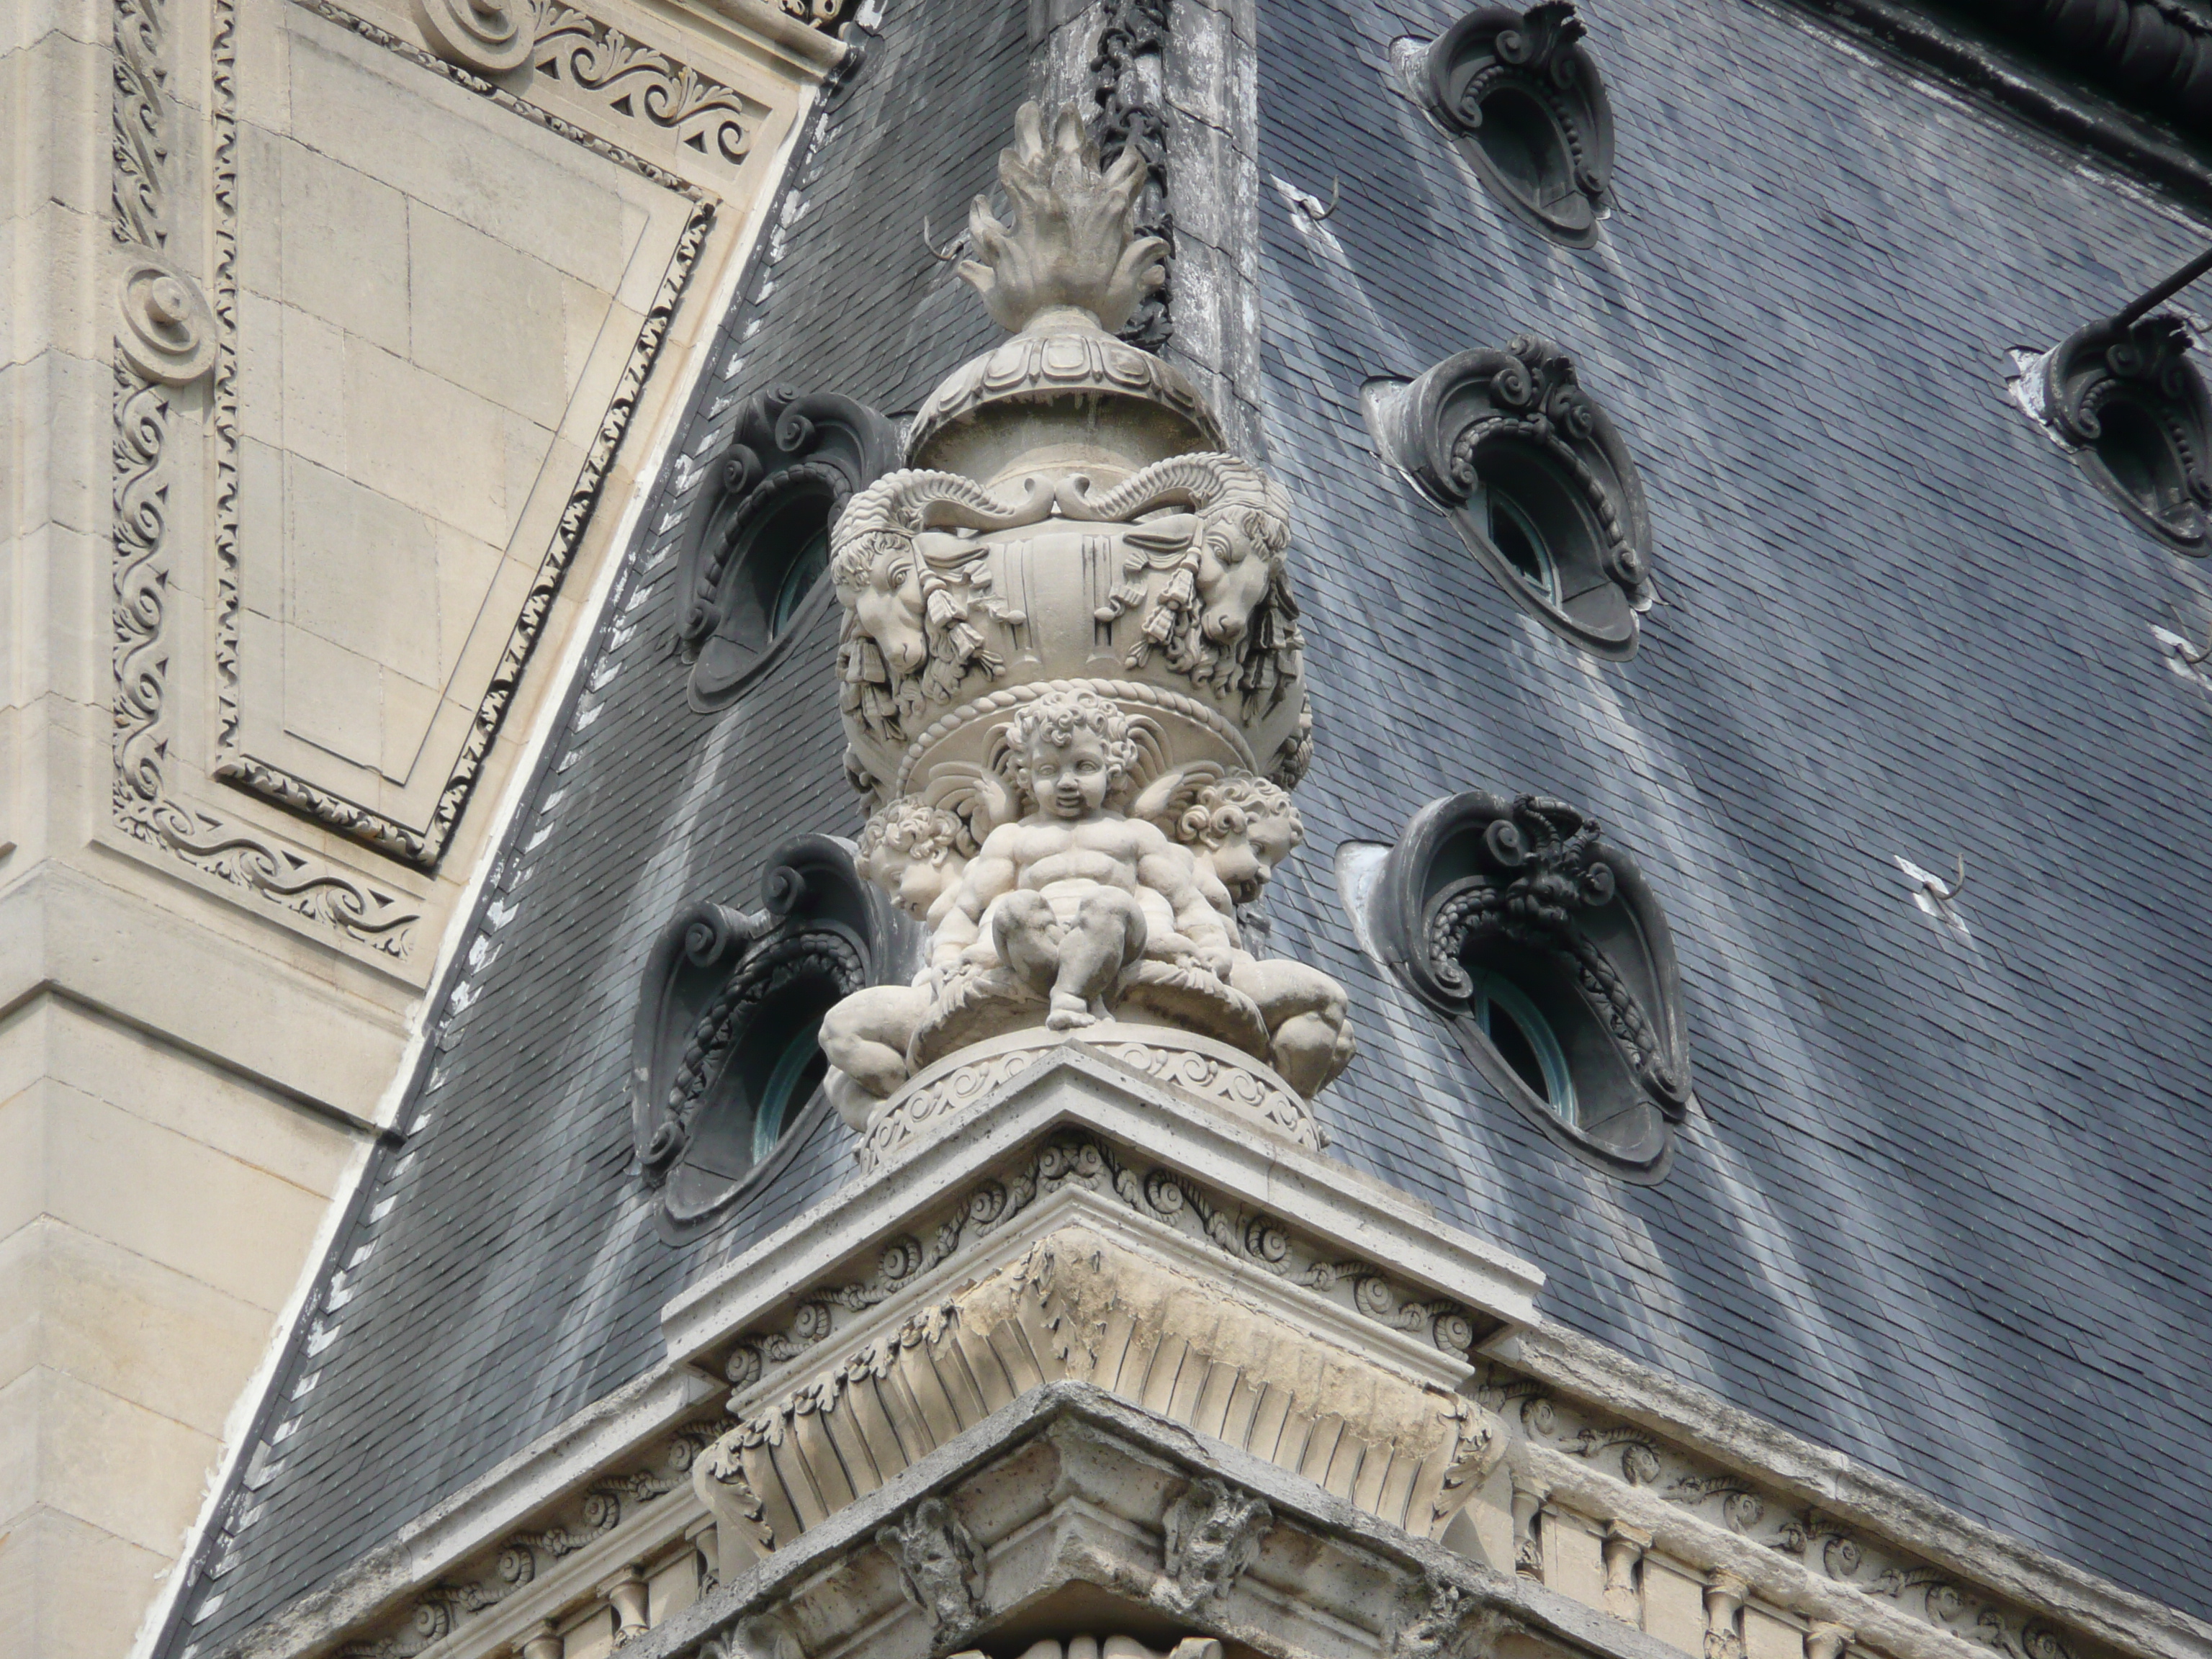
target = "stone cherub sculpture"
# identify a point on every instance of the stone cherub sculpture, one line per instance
(1070, 896)
(1069, 645)
(1081, 907)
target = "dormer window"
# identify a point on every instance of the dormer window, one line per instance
(1535, 480)
(1522, 98)
(2124, 397)
(1538, 944)
(726, 1067)
(1516, 1029)
(760, 545)
(1522, 545)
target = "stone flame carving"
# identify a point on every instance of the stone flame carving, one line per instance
(1073, 242)
(1072, 677)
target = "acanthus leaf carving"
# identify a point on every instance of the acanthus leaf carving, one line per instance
(1209, 1536)
(940, 1567)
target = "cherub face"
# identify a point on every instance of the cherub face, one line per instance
(915, 884)
(1070, 779)
(1245, 861)
(1233, 574)
(889, 610)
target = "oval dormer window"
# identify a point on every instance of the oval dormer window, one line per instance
(1522, 98)
(1535, 480)
(2127, 400)
(726, 1067)
(759, 547)
(1541, 947)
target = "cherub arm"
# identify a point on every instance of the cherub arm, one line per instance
(1170, 872)
(991, 873)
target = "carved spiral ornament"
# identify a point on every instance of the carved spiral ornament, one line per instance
(492, 37)
(165, 327)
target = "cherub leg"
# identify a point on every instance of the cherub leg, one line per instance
(865, 1036)
(1307, 1020)
(1028, 939)
(1109, 933)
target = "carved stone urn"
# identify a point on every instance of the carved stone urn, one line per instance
(1072, 681)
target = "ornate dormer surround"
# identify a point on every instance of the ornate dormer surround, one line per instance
(792, 462)
(1536, 478)
(1483, 888)
(2128, 401)
(1521, 96)
(721, 1092)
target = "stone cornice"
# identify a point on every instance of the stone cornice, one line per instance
(1957, 57)
(1076, 1088)
(1141, 1439)
(1689, 1416)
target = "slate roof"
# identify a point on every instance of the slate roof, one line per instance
(1945, 1205)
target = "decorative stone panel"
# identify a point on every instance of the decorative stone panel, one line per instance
(355, 468)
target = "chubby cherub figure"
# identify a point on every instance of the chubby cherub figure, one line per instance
(1071, 893)
(1239, 828)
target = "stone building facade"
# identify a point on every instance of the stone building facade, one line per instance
(1135, 829)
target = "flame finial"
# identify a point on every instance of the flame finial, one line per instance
(1073, 244)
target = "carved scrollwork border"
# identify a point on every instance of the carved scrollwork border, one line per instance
(425, 846)
(1158, 1193)
(143, 807)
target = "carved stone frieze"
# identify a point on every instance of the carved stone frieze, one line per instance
(976, 1216)
(526, 1555)
(1744, 1540)
(942, 1094)
(1209, 1536)
(1524, 99)
(634, 81)
(1091, 1300)
(1481, 886)
(2128, 400)
(1534, 477)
